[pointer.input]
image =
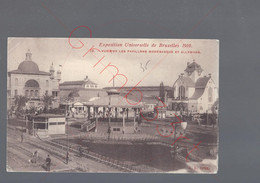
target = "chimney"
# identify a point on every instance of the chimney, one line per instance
(86, 78)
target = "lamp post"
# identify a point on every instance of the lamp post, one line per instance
(67, 122)
(174, 147)
(183, 126)
(109, 111)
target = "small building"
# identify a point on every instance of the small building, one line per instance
(81, 84)
(48, 124)
(193, 91)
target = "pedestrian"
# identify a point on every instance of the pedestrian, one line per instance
(22, 137)
(48, 163)
(67, 157)
(109, 132)
(80, 151)
(35, 156)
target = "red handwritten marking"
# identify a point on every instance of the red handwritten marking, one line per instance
(180, 137)
(91, 50)
(166, 135)
(82, 44)
(131, 91)
(211, 10)
(195, 147)
(98, 61)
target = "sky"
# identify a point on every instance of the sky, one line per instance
(75, 66)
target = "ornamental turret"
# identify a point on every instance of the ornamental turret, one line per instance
(52, 71)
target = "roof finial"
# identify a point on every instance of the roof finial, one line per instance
(28, 56)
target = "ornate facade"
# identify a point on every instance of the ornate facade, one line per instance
(193, 91)
(29, 81)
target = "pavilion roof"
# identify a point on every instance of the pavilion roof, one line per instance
(115, 101)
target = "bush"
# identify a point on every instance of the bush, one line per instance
(209, 119)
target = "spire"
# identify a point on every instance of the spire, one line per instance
(52, 71)
(58, 77)
(51, 68)
(28, 56)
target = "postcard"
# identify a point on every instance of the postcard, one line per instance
(109, 105)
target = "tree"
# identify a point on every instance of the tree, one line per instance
(20, 102)
(47, 100)
(162, 92)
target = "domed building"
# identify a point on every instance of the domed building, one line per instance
(28, 80)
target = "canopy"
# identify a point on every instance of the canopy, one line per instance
(115, 101)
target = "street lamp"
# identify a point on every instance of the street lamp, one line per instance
(183, 126)
(67, 121)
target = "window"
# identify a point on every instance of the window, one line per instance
(210, 94)
(26, 93)
(181, 92)
(36, 93)
(16, 82)
(174, 90)
(31, 93)
(46, 92)
(54, 93)
(15, 92)
(47, 83)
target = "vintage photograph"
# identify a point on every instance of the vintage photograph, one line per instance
(109, 105)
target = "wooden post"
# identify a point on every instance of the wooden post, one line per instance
(123, 120)
(109, 116)
(33, 127)
(134, 116)
(127, 114)
(26, 128)
(116, 112)
(96, 109)
(46, 121)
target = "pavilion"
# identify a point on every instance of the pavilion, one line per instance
(115, 106)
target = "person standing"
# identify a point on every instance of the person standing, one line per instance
(22, 137)
(67, 157)
(48, 163)
(109, 132)
(80, 151)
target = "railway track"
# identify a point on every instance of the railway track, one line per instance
(59, 150)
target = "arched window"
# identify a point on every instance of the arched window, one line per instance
(32, 83)
(31, 93)
(182, 92)
(210, 94)
(36, 93)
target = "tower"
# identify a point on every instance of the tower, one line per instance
(59, 74)
(193, 71)
(52, 71)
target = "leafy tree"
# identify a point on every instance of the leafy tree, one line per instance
(162, 92)
(209, 119)
(215, 106)
(20, 102)
(47, 100)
